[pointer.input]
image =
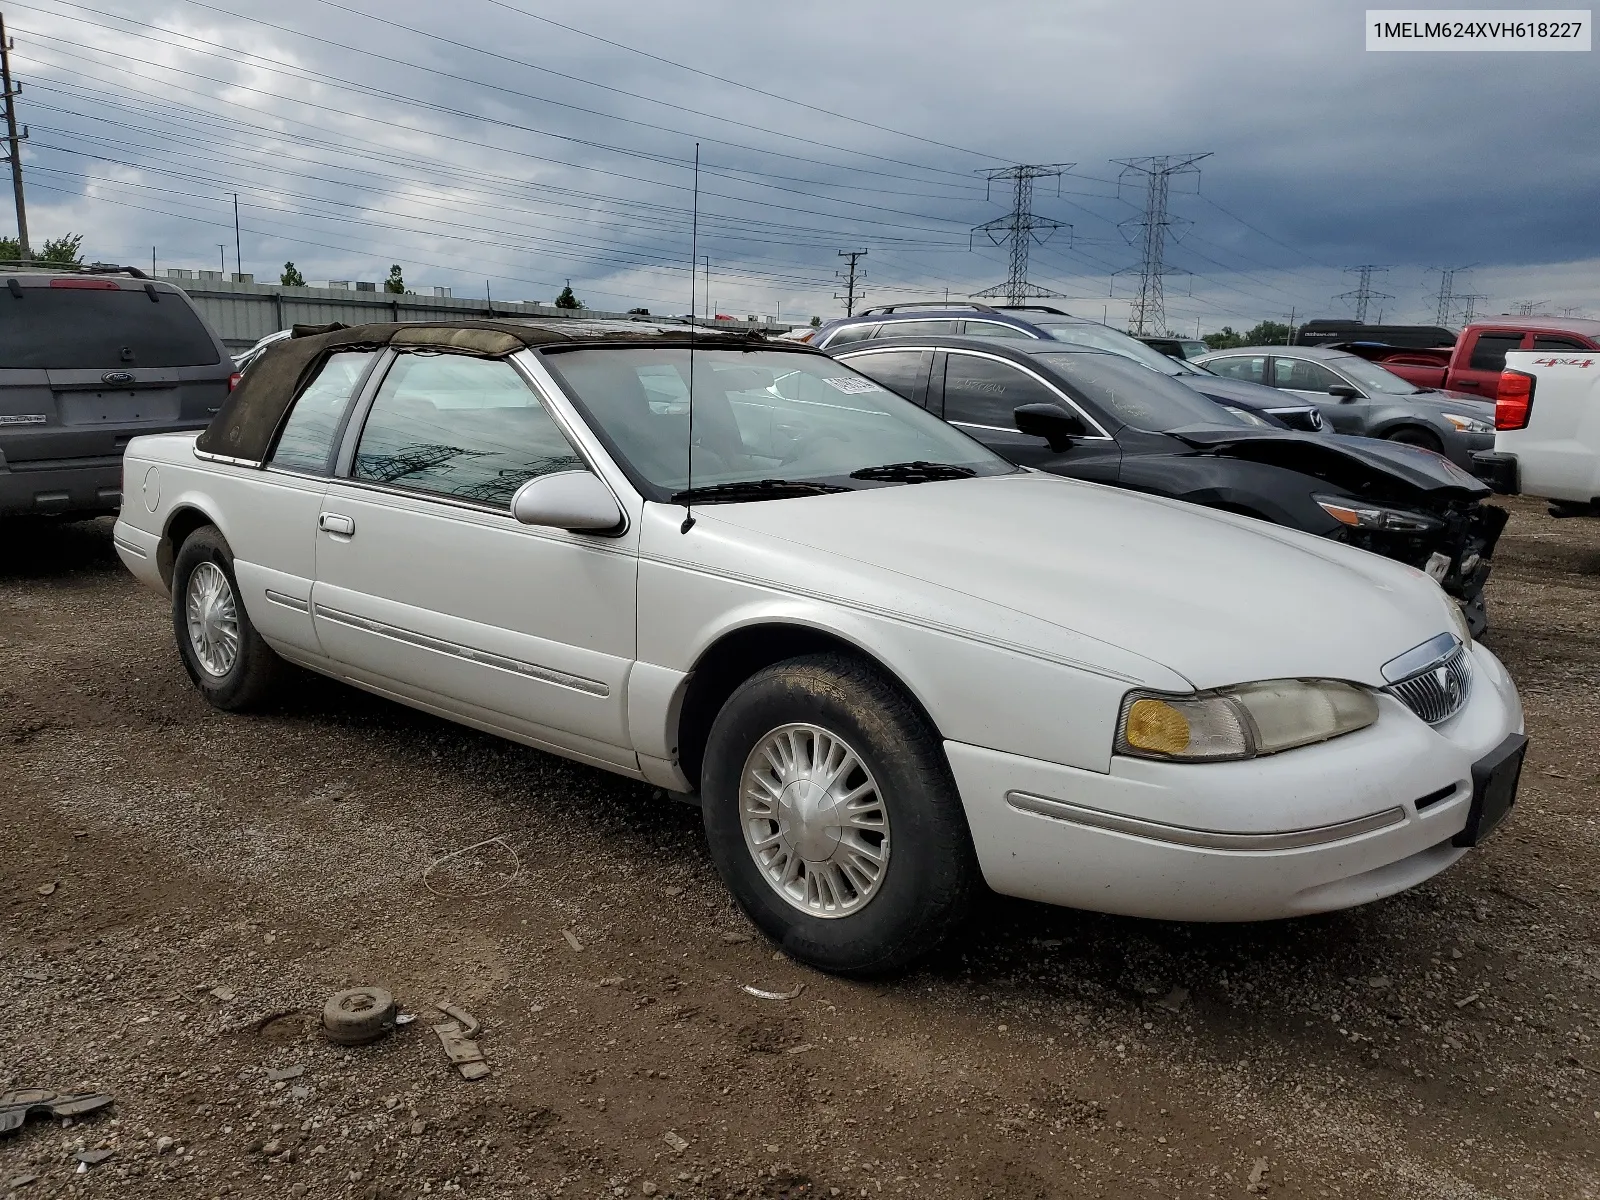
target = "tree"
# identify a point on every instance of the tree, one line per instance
(816, 322)
(1268, 333)
(10, 249)
(396, 283)
(567, 299)
(1227, 339)
(291, 276)
(63, 251)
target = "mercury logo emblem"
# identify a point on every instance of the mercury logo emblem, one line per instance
(116, 377)
(1448, 685)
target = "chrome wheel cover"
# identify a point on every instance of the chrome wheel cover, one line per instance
(814, 820)
(212, 616)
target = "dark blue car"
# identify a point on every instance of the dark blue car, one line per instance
(1041, 322)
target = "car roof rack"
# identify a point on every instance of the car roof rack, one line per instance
(891, 308)
(1044, 308)
(45, 268)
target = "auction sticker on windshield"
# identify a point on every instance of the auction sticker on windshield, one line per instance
(851, 385)
(1478, 28)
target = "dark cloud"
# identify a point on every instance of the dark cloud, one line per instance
(514, 156)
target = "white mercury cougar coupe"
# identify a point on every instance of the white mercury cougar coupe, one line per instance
(891, 664)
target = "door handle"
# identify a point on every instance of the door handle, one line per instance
(334, 523)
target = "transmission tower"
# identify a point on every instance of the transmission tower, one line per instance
(1446, 297)
(1469, 306)
(1154, 174)
(1362, 293)
(851, 294)
(1021, 228)
(1527, 308)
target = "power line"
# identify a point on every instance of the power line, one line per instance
(1021, 228)
(1363, 293)
(1157, 170)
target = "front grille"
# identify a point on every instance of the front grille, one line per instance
(1307, 420)
(1438, 691)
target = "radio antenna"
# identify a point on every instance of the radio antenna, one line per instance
(694, 250)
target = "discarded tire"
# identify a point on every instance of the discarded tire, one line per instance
(358, 1015)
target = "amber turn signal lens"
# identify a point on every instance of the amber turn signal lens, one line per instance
(1155, 726)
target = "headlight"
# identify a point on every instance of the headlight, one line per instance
(1242, 722)
(1360, 515)
(1468, 424)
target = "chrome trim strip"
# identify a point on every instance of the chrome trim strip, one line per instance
(1204, 839)
(294, 602)
(122, 544)
(577, 683)
(207, 456)
(1419, 658)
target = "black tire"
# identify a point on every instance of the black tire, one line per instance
(255, 669)
(1410, 435)
(930, 870)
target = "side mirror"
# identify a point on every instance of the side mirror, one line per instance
(1344, 393)
(1051, 422)
(574, 500)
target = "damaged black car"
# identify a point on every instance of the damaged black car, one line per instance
(1091, 415)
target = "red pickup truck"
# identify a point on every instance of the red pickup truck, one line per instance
(1474, 363)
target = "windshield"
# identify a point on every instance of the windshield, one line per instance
(758, 415)
(1135, 396)
(1372, 377)
(1102, 337)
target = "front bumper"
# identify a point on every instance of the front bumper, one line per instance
(1499, 471)
(1310, 830)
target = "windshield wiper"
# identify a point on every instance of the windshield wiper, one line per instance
(754, 489)
(914, 472)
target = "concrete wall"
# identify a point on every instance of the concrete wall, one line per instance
(244, 313)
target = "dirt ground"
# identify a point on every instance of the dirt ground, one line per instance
(180, 890)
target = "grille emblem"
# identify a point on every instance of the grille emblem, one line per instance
(116, 377)
(1437, 686)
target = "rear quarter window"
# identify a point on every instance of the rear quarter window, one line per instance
(101, 330)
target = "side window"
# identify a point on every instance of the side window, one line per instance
(1251, 368)
(982, 391)
(996, 329)
(459, 426)
(1549, 342)
(916, 328)
(851, 333)
(898, 370)
(1303, 376)
(1489, 351)
(306, 443)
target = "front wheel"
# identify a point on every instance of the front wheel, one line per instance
(833, 818)
(1411, 436)
(224, 655)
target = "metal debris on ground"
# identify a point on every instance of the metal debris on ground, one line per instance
(91, 1158)
(222, 993)
(16, 1107)
(505, 882)
(358, 1015)
(458, 1037)
(678, 1144)
(759, 994)
(293, 1072)
(572, 939)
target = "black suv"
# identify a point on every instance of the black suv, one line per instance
(89, 360)
(1040, 322)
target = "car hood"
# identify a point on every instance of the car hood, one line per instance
(1147, 589)
(1368, 466)
(1444, 399)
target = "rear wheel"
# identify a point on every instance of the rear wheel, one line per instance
(833, 818)
(1410, 435)
(224, 655)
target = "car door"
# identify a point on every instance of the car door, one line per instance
(979, 393)
(1485, 358)
(272, 519)
(1311, 380)
(428, 588)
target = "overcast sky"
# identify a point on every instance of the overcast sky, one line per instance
(485, 146)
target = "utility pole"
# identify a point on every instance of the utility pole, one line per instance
(1362, 293)
(1156, 173)
(13, 141)
(222, 257)
(238, 254)
(851, 295)
(1469, 306)
(1446, 297)
(1288, 341)
(1021, 228)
